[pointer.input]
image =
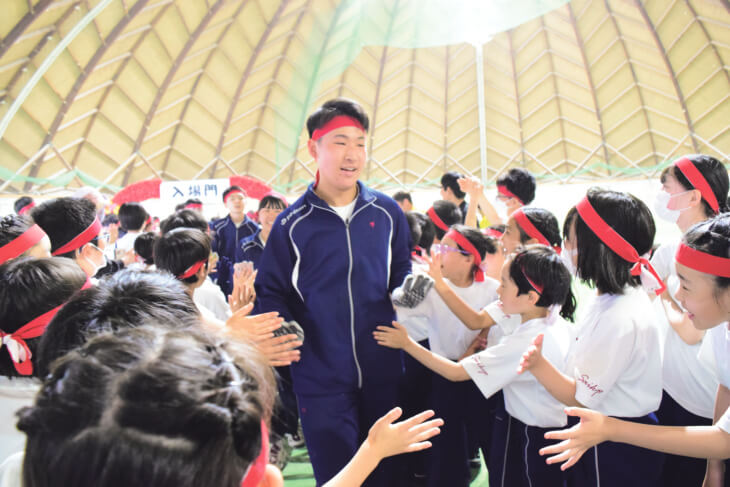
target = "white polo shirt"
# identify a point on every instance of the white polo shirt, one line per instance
(687, 379)
(447, 335)
(715, 353)
(525, 398)
(615, 357)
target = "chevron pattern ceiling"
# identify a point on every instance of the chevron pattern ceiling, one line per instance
(196, 89)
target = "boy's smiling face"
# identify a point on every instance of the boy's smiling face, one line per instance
(340, 156)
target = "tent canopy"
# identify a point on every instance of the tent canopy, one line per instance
(110, 92)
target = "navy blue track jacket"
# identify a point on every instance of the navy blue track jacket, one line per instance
(334, 278)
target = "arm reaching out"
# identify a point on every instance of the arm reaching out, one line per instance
(473, 319)
(396, 336)
(559, 385)
(386, 439)
(595, 428)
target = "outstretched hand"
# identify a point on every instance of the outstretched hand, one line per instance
(532, 355)
(387, 438)
(591, 431)
(395, 336)
(434, 268)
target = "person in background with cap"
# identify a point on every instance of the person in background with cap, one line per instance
(227, 234)
(330, 263)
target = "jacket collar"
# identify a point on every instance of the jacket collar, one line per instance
(364, 197)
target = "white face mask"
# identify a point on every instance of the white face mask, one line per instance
(95, 267)
(661, 206)
(501, 208)
(566, 255)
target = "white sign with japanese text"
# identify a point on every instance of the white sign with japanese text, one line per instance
(206, 190)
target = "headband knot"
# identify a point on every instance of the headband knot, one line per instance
(650, 280)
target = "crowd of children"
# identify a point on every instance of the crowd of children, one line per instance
(191, 354)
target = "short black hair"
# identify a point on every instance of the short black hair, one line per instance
(149, 405)
(122, 300)
(402, 195)
(189, 201)
(272, 201)
(110, 219)
(179, 249)
(132, 216)
(448, 212)
(598, 265)
(30, 287)
(450, 180)
(12, 227)
(144, 246)
(21, 203)
(543, 266)
(519, 182)
(230, 189)
(712, 237)
(414, 225)
(186, 218)
(427, 229)
(63, 219)
(333, 108)
(545, 222)
(714, 172)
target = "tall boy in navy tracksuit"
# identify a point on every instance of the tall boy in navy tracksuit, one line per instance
(330, 262)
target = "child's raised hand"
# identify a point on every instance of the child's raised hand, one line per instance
(394, 336)
(532, 355)
(434, 267)
(591, 431)
(281, 350)
(386, 438)
(257, 327)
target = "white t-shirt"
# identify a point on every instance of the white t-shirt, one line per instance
(615, 357)
(15, 393)
(345, 212)
(525, 398)
(715, 353)
(447, 335)
(687, 379)
(210, 296)
(124, 244)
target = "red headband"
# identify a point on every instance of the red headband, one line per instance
(335, 123)
(436, 220)
(503, 189)
(21, 243)
(537, 287)
(192, 270)
(703, 262)
(493, 232)
(531, 230)
(18, 349)
(616, 242)
(233, 191)
(26, 208)
(465, 244)
(81, 239)
(196, 206)
(695, 177)
(256, 470)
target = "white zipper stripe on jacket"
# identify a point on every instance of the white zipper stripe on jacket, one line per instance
(295, 269)
(349, 283)
(390, 240)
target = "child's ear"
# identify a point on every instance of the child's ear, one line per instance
(272, 477)
(531, 241)
(533, 297)
(312, 147)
